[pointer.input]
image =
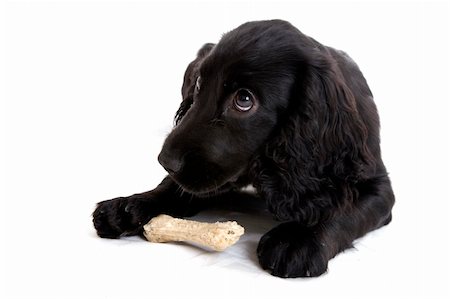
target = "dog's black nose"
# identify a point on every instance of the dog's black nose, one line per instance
(171, 164)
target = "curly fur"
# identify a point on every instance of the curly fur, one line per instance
(299, 167)
(309, 145)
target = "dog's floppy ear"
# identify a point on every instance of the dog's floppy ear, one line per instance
(343, 136)
(190, 78)
(325, 130)
(321, 140)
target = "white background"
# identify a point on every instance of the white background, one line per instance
(89, 90)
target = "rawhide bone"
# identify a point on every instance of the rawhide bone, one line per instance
(217, 236)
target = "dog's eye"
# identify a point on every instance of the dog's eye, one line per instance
(243, 100)
(197, 84)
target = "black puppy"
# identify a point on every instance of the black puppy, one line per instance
(271, 107)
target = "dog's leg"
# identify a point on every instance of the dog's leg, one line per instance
(294, 250)
(126, 215)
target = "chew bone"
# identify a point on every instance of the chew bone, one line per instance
(217, 236)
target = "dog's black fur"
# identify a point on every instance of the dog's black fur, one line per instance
(271, 107)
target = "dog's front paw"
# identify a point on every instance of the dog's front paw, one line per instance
(291, 250)
(121, 216)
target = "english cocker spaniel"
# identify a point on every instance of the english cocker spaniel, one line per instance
(271, 107)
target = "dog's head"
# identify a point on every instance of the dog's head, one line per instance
(236, 94)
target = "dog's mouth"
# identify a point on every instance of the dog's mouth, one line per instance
(205, 186)
(211, 192)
